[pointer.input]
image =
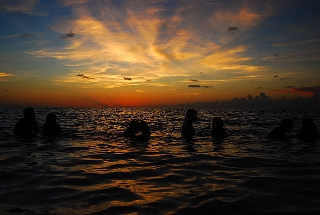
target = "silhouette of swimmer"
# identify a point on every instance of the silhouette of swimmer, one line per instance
(279, 132)
(137, 128)
(51, 127)
(308, 130)
(217, 128)
(28, 125)
(187, 127)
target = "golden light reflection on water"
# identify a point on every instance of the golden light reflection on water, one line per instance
(141, 177)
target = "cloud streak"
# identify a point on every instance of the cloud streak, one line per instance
(312, 90)
(3, 74)
(84, 76)
(68, 35)
(20, 6)
(198, 86)
(232, 29)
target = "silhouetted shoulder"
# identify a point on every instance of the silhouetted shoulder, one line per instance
(217, 128)
(279, 132)
(308, 130)
(187, 129)
(276, 133)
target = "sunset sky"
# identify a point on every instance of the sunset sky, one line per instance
(82, 53)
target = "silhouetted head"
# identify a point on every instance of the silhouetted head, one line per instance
(29, 113)
(143, 126)
(134, 126)
(191, 115)
(51, 118)
(137, 128)
(217, 123)
(144, 129)
(287, 125)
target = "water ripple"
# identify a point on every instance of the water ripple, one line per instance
(93, 169)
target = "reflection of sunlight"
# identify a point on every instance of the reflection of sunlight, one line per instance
(133, 177)
(148, 192)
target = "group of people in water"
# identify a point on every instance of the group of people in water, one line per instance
(307, 132)
(28, 126)
(191, 116)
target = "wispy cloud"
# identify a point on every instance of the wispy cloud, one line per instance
(311, 89)
(198, 86)
(3, 74)
(230, 59)
(68, 35)
(232, 28)
(288, 87)
(84, 76)
(245, 17)
(280, 78)
(297, 42)
(294, 56)
(21, 6)
(304, 90)
(17, 35)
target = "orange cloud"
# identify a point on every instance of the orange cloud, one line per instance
(230, 59)
(3, 74)
(243, 17)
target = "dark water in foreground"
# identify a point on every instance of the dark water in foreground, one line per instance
(92, 169)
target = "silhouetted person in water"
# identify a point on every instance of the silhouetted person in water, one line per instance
(217, 128)
(187, 127)
(144, 129)
(28, 125)
(308, 130)
(279, 132)
(51, 127)
(137, 128)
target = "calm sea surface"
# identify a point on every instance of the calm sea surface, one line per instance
(92, 169)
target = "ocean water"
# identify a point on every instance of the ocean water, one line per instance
(92, 169)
